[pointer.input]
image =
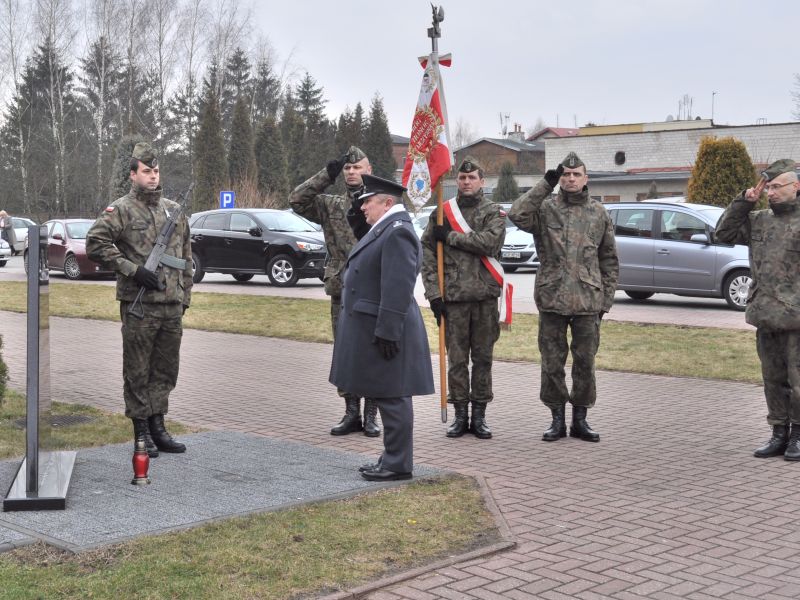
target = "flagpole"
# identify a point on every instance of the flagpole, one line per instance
(435, 33)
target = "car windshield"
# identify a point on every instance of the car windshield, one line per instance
(712, 212)
(77, 231)
(284, 221)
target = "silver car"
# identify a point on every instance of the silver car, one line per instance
(668, 247)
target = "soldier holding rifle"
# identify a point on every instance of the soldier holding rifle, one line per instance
(123, 238)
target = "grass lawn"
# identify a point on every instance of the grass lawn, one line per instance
(637, 348)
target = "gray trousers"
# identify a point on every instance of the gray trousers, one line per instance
(553, 348)
(779, 352)
(397, 415)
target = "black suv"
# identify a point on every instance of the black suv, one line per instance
(251, 241)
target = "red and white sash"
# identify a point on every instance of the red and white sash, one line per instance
(459, 224)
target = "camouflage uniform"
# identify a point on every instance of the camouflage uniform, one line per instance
(575, 283)
(331, 211)
(470, 296)
(122, 238)
(773, 305)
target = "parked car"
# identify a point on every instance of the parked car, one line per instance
(5, 252)
(669, 247)
(244, 242)
(66, 249)
(519, 249)
(21, 225)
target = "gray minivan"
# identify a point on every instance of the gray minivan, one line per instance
(669, 247)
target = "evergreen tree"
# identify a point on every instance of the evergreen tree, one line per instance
(141, 118)
(266, 92)
(236, 83)
(310, 101)
(507, 189)
(241, 157)
(350, 131)
(120, 183)
(181, 125)
(378, 141)
(722, 170)
(292, 133)
(210, 167)
(271, 163)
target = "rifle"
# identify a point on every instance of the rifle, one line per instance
(158, 255)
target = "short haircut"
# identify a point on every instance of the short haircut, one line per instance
(134, 165)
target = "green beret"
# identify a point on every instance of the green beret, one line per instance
(572, 161)
(146, 154)
(779, 167)
(468, 165)
(355, 154)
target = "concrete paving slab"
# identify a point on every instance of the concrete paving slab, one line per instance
(221, 475)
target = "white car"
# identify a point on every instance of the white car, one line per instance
(5, 252)
(21, 225)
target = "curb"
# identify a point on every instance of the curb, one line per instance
(508, 541)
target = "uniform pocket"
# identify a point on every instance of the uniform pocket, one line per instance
(367, 307)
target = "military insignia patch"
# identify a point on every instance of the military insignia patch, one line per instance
(397, 224)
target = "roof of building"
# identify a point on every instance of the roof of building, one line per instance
(514, 145)
(554, 132)
(399, 139)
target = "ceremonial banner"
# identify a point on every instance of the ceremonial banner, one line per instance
(429, 155)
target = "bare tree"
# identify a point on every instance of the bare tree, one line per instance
(229, 28)
(463, 133)
(193, 21)
(162, 49)
(103, 16)
(133, 28)
(538, 125)
(54, 19)
(14, 31)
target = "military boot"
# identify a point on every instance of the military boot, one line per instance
(478, 426)
(793, 447)
(460, 424)
(351, 421)
(371, 428)
(141, 430)
(558, 428)
(580, 428)
(161, 436)
(776, 444)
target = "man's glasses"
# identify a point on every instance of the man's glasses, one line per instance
(776, 186)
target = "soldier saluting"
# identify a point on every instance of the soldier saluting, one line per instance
(773, 305)
(340, 217)
(574, 287)
(122, 238)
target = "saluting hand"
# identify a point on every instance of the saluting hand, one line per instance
(335, 166)
(754, 193)
(553, 175)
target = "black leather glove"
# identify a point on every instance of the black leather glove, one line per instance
(553, 175)
(601, 314)
(357, 202)
(439, 310)
(185, 308)
(440, 233)
(335, 166)
(388, 348)
(146, 278)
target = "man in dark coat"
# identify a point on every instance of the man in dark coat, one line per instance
(381, 350)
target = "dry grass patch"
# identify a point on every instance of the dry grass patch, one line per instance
(303, 551)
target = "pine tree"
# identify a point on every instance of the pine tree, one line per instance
(292, 133)
(266, 92)
(507, 189)
(350, 131)
(271, 163)
(237, 83)
(378, 141)
(722, 170)
(241, 158)
(120, 183)
(310, 101)
(210, 167)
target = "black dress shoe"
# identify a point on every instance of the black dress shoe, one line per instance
(381, 474)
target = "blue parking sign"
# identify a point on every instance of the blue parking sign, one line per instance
(226, 199)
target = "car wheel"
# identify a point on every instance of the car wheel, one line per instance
(281, 271)
(3, 263)
(510, 269)
(736, 288)
(197, 269)
(243, 276)
(25, 261)
(71, 267)
(639, 295)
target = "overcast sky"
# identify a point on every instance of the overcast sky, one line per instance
(568, 63)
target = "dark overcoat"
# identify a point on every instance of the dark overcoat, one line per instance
(378, 301)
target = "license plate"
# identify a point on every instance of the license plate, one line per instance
(511, 255)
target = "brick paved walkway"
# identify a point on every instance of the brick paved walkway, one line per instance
(670, 504)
